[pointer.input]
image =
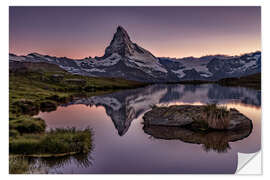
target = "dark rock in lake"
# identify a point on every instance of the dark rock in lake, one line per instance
(185, 123)
(193, 117)
(211, 140)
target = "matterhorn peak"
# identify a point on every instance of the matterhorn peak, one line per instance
(120, 44)
(131, 53)
(121, 32)
(123, 46)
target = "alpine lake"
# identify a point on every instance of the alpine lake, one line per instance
(121, 144)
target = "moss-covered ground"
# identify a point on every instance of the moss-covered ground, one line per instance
(43, 88)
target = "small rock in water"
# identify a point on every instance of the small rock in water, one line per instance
(185, 123)
(184, 115)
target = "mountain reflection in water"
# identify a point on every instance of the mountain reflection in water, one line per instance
(125, 146)
(125, 106)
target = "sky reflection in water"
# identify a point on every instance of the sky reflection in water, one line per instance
(121, 145)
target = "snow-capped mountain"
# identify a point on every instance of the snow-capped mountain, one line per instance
(125, 59)
(213, 67)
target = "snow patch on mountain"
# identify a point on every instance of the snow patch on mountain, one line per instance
(199, 66)
(109, 61)
(16, 58)
(248, 65)
(144, 60)
(179, 73)
(149, 67)
(94, 70)
(127, 60)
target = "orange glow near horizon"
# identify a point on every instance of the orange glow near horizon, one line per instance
(196, 50)
(226, 46)
(174, 32)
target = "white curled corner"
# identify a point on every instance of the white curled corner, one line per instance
(249, 163)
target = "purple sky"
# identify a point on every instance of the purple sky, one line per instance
(78, 32)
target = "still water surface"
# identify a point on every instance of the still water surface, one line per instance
(122, 146)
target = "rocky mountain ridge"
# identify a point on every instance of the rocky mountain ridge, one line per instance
(125, 59)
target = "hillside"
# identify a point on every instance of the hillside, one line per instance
(42, 86)
(252, 81)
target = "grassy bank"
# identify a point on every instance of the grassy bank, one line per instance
(35, 87)
(18, 165)
(251, 81)
(58, 142)
(33, 153)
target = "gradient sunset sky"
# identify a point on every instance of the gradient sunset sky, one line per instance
(78, 32)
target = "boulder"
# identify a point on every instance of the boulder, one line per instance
(192, 116)
(185, 123)
(211, 140)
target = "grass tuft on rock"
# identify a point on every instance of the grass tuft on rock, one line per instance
(54, 143)
(216, 117)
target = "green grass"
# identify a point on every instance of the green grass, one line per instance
(29, 165)
(42, 87)
(18, 165)
(26, 124)
(38, 87)
(251, 81)
(58, 142)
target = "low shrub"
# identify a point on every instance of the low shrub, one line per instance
(217, 117)
(48, 105)
(13, 133)
(18, 165)
(57, 141)
(26, 106)
(27, 124)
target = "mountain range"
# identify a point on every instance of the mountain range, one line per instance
(127, 60)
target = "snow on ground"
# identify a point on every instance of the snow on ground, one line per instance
(145, 60)
(205, 75)
(70, 69)
(179, 73)
(16, 58)
(147, 67)
(199, 65)
(252, 62)
(249, 64)
(94, 70)
(109, 61)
